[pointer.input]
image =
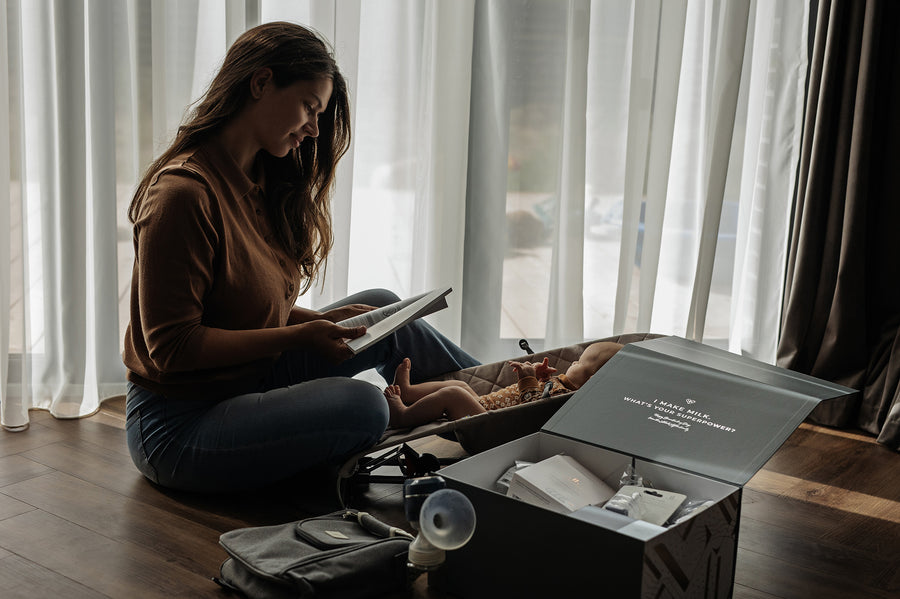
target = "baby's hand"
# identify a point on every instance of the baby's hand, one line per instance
(543, 371)
(523, 369)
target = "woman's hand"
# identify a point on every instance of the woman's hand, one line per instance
(328, 339)
(345, 312)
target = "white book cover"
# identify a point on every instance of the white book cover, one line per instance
(559, 483)
(383, 321)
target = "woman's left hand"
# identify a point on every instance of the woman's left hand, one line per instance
(345, 312)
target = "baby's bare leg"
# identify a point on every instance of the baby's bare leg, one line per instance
(453, 401)
(410, 393)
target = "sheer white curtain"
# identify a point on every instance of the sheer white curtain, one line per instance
(573, 169)
(58, 216)
(95, 90)
(632, 168)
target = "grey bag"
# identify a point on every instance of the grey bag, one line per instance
(326, 556)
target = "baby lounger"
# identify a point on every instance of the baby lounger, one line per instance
(483, 431)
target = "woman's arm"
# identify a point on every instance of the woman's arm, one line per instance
(300, 315)
(222, 347)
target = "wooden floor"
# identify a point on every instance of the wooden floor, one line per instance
(822, 519)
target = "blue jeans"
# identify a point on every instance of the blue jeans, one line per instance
(307, 413)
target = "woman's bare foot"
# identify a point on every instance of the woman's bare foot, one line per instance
(401, 378)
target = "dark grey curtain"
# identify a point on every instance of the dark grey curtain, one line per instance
(841, 316)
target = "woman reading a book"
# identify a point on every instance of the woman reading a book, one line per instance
(231, 385)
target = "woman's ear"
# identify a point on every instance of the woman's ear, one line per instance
(258, 82)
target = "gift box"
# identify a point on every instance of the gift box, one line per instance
(692, 419)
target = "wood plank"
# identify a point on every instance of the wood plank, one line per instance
(24, 579)
(811, 553)
(10, 507)
(792, 514)
(123, 519)
(114, 408)
(743, 592)
(111, 412)
(110, 567)
(890, 580)
(16, 468)
(39, 415)
(854, 434)
(116, 472)
(282, 502)
(90, 461)
(838, 459)
(35, 436)
(89, 429)
(786, 580)
(828, 495)
(865, 533)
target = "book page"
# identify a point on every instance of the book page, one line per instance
(392, 317)
(378, 314)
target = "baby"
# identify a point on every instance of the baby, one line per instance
(412, 405)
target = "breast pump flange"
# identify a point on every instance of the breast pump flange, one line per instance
(443, 518)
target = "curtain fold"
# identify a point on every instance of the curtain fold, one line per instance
(841, 317)
(62, 194)
(726, 63)
(773, 117)
(443, 124)
(13, 420)
(488, 152)
(565, 306)
(340, 24)
(657, 51)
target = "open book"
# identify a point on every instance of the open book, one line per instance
(383, 321)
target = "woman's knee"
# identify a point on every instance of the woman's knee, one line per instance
(365, 409)
(376, 297)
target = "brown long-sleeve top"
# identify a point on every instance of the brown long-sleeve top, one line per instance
(205, 257)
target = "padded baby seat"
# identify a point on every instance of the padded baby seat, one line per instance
(490, 429)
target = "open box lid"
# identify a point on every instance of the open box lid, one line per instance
(694, 407)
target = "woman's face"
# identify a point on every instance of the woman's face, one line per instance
(284, 116)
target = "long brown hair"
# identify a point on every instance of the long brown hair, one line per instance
(298, 186)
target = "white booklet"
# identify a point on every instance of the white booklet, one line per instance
(383, 321)
(559, 483)
(641, 503)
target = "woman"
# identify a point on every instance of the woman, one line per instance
(231, 385)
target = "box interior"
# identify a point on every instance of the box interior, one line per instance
(483, 470)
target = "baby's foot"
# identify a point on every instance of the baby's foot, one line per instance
(392, 392)
(401, 376)
(395, 404)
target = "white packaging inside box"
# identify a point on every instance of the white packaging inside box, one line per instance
(696, 420)
(559, 483)
(599, 552)
(605, 464)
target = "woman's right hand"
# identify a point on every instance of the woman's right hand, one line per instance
(329, 339)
